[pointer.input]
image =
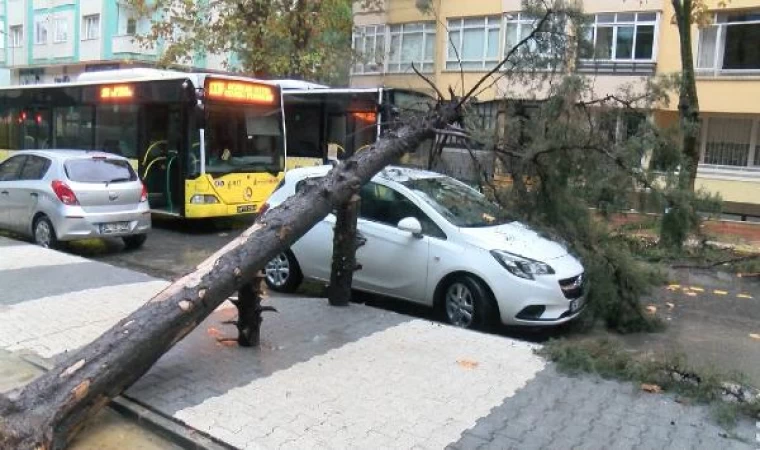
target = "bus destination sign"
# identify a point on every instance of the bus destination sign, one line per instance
(119, 91)
(240, 91)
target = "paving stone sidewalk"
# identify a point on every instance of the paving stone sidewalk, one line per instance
(346, 378)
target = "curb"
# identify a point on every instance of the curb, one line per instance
(155, 421)
(165, 426)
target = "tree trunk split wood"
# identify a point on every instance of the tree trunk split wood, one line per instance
(49, 411)
(249, 312)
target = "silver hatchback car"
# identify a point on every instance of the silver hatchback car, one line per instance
(65, 195)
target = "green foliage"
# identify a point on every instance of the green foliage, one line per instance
(682, 217)
(577, 160)
(267, 38)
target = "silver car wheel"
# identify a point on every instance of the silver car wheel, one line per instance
(460, 305)
(43, 233)
(278, 270)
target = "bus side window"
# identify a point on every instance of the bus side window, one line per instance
(73, 127)
(117, 124)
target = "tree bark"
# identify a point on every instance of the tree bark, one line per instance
(688, 101)
(249, 312)
(345, 242)
(49, 411)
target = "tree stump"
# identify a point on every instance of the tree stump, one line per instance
(345, 242)
(249, 312)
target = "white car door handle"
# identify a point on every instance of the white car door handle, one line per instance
(4, 192)
(34, 194)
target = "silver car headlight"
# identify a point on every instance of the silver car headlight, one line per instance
(520, 266)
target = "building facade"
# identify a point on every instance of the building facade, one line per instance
(53, 41)
(458, 42)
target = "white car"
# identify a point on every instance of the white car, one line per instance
(433, 240)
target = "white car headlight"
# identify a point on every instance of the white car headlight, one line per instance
(520, 266)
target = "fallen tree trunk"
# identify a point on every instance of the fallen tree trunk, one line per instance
(48, 412)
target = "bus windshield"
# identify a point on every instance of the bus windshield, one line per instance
(244, 139)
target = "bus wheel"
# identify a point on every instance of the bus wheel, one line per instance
(283, 273)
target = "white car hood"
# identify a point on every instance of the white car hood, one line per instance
(515, 238)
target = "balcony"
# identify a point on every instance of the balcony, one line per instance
(127, 47)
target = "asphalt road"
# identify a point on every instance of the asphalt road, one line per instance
(174, 247)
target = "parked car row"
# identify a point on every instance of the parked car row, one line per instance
(65, 195)
(429, 238)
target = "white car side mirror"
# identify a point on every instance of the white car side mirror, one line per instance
(411, 225)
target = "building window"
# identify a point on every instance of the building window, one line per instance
(731, 141)
(41, 32)
(61, 30)
(369, 46)
(411, 43)
(731, 44)
(91, 27)
(541, 50)
(620, 37)
(17, 36)
(474, 42)
(131, 26)
(126, 21)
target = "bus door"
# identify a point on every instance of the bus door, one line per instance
(304, 116)
(351, 123)
(161, 163)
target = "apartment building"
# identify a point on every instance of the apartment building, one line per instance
(53, 41)
(630, 40)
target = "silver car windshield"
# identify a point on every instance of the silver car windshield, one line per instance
(458, 203)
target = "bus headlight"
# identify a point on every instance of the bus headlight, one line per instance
(200, 199)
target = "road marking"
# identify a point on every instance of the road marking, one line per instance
(691, 294)
(717, 292)
(744, 296)
(674, 287)
(697, 289)
(25, 256)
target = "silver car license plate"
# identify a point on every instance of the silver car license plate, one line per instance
(115, 227)
(577, 304)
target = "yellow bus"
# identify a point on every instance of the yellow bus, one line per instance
(205, 145)
(326, 123)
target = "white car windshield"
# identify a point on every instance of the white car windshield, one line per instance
(458, 203)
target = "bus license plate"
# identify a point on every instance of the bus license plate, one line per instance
(577, 304)
(246, 208)
(115, 227)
